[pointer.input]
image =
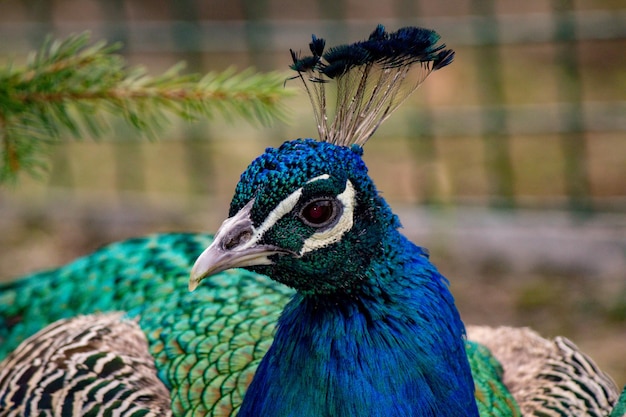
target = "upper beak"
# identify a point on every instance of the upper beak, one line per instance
(235, 245)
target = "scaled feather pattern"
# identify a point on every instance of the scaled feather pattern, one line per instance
(308, 300)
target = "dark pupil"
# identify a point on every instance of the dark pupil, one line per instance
(318, 212)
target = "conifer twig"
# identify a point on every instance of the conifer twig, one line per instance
(72, 86)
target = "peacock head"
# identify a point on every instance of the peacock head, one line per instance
(307, 214)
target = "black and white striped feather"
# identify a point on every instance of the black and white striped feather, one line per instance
(548, 377)
(96, 365)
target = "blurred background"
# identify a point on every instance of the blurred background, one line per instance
(509, 165)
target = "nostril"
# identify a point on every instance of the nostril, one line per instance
(237, 239)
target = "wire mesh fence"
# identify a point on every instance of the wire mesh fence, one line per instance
(536, 94)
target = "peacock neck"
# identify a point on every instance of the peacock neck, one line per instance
(393, 348)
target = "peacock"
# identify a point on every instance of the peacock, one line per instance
(307, 301)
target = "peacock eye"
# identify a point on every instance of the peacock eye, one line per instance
(320, 213)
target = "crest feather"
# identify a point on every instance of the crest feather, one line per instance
(372, 77)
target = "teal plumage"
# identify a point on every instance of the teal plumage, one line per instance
(620, 406)
(147, 277)
(334, 314)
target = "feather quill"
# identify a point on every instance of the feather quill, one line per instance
(372, 78)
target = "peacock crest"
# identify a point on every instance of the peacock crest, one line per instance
(372, 78)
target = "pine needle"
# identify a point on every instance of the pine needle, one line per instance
(71, 86)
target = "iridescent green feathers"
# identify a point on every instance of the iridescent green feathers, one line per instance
(620, 406)
(373, 77)
(205, 345)
(492, 396)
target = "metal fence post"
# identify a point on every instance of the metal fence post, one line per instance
(499, 170)
(573, 141)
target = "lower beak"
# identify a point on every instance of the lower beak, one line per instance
(215, 259)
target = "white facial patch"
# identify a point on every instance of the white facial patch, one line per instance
(335, 233)
(319, 177)
(275, 215)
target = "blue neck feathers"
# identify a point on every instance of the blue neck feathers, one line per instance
(392, 348)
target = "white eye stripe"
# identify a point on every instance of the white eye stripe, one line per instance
(320, 177)
(335, 233)
(275, 215)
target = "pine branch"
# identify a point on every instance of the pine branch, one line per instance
(71, 86)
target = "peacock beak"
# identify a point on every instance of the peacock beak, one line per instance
(235, 245)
